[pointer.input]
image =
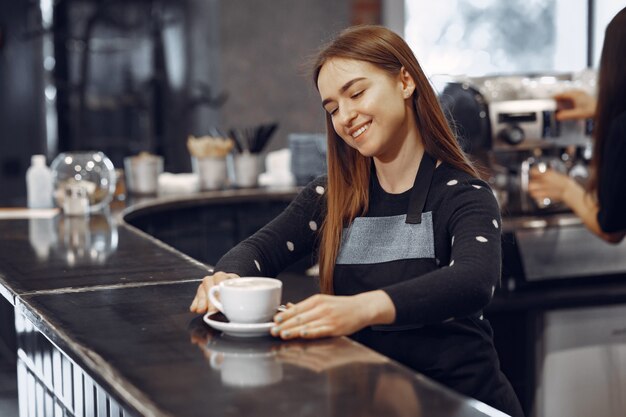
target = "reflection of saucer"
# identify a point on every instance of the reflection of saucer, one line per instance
(219, 322)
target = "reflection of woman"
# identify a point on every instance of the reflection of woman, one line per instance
(603, 206)
(408, 236)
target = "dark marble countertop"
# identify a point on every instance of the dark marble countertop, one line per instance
(55, 254)
(143, 345)
(63, 253)
(115, 300)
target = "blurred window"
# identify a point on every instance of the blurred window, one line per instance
(479, 37)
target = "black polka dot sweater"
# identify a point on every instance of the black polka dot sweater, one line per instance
(440, 272)
(443, 268)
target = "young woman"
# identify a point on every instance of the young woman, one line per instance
(602, 207)
(408, 237)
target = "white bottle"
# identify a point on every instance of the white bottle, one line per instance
(39, 183)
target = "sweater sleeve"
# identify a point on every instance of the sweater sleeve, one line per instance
(612, 186)
(284, 240)
(466, 285)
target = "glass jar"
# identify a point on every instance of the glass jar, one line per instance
(91, 171)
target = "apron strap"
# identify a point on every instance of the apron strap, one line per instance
(420, 190)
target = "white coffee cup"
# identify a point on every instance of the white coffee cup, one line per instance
(247, 369)
(247, 300)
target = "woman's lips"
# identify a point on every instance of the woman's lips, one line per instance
(356, 134)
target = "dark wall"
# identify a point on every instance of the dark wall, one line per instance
(254, 50)
(21, 98)
(263, 58)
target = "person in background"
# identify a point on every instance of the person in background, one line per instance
(407, 236)
(602, 206)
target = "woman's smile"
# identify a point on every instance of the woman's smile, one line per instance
(357, 134)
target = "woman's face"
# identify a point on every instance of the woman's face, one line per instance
(370, 109)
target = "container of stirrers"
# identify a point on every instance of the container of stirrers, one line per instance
(249, 143)
(208, 160)
(247, 169)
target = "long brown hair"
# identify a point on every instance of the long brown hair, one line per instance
(611, 90)
(348, 171)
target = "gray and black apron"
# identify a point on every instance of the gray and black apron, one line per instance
(379, 250)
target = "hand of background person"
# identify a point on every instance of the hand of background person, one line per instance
(548, 184)
(201, 302)
(331, 315)
(575, 104)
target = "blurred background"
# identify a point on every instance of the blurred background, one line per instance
(141, 75)
(131, 76)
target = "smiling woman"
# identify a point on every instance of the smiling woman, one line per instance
(371, 113)
(409, 243)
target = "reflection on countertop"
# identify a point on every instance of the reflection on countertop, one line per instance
(88, 240)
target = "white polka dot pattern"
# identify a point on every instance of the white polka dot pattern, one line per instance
(319, 189)
(258, 266)
(452, 243)
(452, 182)
(478, 187)
(313, 225)
(290, 246)
(481, 239)
(495, 223)
(481, 317)
(493, 290)
(452, 263)
(448, 320)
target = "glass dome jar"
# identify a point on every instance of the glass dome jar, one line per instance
(91, 171)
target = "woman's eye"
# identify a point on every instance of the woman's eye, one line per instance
(357, 94)
(333, 111)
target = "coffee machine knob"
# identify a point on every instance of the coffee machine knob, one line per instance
(512, 135)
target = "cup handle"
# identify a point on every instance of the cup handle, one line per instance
(214, 299)
(216, 360)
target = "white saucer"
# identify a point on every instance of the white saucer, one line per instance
(219, 322)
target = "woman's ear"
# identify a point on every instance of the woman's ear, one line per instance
(408, 83)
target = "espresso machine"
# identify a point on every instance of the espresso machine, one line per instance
(508, 125)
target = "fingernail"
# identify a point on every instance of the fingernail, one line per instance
(285, 334)
(275, 330)
(279, 319)
(303, 333)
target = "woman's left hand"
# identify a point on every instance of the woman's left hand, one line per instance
(548, 184)
(330, 315)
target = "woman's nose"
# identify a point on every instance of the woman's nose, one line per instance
(348, 116)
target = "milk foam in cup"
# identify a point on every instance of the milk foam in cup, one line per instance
(247, 299)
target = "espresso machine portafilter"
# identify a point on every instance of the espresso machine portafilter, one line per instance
(510, 132)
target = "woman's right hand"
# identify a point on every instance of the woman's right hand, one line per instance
(575, 104)
(201, 302)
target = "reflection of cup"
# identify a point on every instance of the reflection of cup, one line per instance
(246, 169)
(247, 369)
(142, 173)
(247, 300)
(211, 172)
